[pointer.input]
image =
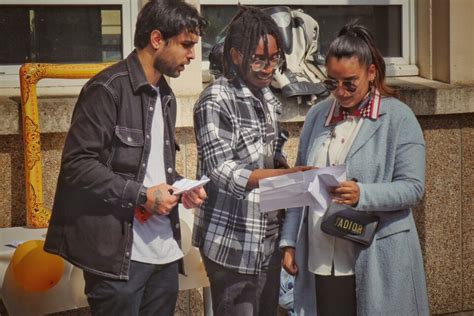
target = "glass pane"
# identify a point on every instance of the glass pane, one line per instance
(385, 22)
(60, 34)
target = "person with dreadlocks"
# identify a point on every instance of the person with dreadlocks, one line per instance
(379, 139)
(236, 121)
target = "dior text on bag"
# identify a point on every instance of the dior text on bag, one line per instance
(344, 222)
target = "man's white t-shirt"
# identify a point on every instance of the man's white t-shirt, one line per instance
(153, 240)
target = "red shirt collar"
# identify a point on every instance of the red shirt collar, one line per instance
(369, 109)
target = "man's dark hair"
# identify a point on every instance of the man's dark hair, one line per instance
(170, 17)
(244, 33)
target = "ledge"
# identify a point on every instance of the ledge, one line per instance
(425, 97)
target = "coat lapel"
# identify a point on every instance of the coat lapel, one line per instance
(367, 130)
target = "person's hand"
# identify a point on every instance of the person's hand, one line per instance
(347, 193)
(288, 262)
(194, 198)
(159, 199)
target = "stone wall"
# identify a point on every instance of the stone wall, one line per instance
(445, 216)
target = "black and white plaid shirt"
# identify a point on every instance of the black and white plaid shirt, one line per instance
(235, 134)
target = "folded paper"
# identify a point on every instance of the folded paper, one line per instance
(308, 188)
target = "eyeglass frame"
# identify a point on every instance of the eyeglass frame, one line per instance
(333, 84)
(266, 63)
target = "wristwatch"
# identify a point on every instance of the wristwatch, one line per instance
(142, 197)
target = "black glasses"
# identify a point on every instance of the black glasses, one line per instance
(332, 84)
(259, 64)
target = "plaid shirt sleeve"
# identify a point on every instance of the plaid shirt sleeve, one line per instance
(216, 131)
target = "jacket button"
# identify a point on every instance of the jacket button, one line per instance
(127, 254)
(144, 165)
(148, 136)
(169, 170)
(167, 142)
(151, 108)
(129, 139)
(130, 204)
(177, 226)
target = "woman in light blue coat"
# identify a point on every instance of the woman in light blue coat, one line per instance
(380, 141)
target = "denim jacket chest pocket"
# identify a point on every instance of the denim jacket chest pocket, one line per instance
(127, 150)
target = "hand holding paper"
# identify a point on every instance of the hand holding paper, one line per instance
(347, 193)
(301, 189)
(184, 185)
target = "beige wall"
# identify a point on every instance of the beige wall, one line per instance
(424, 38)
(461, 41)
(449, 35)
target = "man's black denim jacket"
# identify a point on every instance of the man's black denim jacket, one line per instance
(103, 166)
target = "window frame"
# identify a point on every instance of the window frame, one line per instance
(9, 73)
(396, 66)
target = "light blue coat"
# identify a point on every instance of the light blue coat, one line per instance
(388, 160)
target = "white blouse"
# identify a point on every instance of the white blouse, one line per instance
(326, 250)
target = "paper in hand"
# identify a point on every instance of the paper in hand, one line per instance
(319, 189)
(184, 185)
(308, 188)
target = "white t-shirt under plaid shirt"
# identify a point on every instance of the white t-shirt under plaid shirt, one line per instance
(235, 131)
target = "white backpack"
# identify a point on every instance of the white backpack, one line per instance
(305, 65)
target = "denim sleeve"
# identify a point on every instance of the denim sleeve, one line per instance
(91, 131)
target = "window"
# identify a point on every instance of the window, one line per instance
(391, 21)
(55, 31)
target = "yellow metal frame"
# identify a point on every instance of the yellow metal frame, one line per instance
(37, 215)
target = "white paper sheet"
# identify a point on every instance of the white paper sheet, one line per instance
(184, 185)
(309, 188)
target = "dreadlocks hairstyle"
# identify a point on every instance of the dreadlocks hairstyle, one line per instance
(170, 17)
(244, 33)
(355, 40)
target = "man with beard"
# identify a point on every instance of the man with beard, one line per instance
(236, 121)
(114, 214)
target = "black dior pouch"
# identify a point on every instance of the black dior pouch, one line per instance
(343, 222)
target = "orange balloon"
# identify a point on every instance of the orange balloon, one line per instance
(34, 269)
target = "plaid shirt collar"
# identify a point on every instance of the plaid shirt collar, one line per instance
(369, 108)
(243, 92)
